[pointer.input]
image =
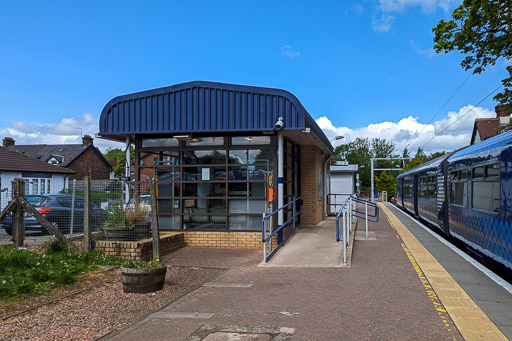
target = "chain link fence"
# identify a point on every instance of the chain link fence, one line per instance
(119, 211)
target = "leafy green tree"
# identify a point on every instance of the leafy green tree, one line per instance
(360, 152)
(113, 154)
(405, 153)
(482, 31)
(386, 182)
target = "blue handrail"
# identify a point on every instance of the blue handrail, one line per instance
(371, 204)
(338, 230)
(263, 239)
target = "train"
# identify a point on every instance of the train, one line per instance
(466, 195)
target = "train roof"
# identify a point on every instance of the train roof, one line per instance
(427, 165)
(497, 142)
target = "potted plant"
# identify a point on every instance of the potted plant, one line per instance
(117, 226)
(143, 277)
(139, 217)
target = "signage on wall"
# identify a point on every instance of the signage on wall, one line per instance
(270, 180)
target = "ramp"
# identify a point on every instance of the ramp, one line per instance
(312, 246)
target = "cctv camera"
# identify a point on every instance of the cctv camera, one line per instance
(279, 124)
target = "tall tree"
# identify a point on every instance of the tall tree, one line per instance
(482, 31)
(385, 182)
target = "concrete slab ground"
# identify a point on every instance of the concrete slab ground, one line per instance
(380, 297)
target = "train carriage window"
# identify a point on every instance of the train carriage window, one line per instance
(459, 187)
(432, 190)
(478, 172)
(485, 191)
(423, 187)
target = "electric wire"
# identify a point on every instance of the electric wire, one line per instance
(467, 112)
(437, 113)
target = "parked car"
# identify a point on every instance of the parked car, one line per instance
(57, 208)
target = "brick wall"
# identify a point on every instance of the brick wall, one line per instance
(89, 160)
(139, 250)
(235, 240)
(311, 160)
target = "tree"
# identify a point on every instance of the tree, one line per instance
(405, 153)
(113, 154)
(361, 151)
(386, 182)
(481, 30)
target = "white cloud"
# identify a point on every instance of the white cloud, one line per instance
(67, 131)
(408, 131)
(383, 24)
(287, 50)
(422, 52)
(386, 7)
(427, 6)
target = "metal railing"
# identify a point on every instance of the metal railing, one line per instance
(347, 212)
(335, 204)
(268, 238)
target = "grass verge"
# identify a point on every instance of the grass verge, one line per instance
(27, 273)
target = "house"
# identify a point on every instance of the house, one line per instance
(80, 158)
(485, 128)
(40, 177)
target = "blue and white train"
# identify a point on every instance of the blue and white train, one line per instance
(466, 195)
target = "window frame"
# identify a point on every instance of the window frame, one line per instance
(486, 178)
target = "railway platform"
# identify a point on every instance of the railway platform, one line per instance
(401, 284)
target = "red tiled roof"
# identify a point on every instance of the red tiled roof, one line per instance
(15, 162)
(487, 127)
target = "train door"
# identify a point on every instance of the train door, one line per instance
(415, 193)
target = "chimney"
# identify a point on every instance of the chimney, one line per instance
(86, 140)
(503, 114)
(7, 142)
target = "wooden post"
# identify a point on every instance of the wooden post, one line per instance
(155, 230)
(18, 220)
(87, 247)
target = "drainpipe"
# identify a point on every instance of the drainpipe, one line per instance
(127, 170)
(325, 186)
(280, 174)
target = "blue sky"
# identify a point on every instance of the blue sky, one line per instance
(361, 68)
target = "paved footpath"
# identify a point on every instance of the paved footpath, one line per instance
(382, 295)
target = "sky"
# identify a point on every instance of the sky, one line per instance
(360, 68)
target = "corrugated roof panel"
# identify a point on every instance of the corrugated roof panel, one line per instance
(201, 107)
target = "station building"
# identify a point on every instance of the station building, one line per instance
(223, 154)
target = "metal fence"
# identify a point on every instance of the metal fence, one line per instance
(119, 211)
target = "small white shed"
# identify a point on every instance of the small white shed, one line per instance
(343, 184)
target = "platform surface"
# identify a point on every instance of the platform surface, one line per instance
(383, 295)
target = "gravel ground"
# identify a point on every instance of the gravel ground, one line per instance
(97, 311)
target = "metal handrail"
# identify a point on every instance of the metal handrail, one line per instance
(347, 213)
(280, 227)
(370, 204)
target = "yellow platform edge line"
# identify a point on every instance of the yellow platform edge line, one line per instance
(470, 320)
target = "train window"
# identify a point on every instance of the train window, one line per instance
(459, 187)
(478, 172)
(486, 190)
(492, 170)
(423, 187)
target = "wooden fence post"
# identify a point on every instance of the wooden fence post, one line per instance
(87, 247)
(155, 229)
(18, 219)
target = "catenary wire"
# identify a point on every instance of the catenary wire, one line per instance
(483, 99)
(437, 113)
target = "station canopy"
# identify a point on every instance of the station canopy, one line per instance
(207, 108)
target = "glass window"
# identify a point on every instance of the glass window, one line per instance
(164, 142)
(486, 195)
(250, 140)
(205, 141)
(49, 186)
(478, 172)
(251, 189)
(251, 156)
(247, 173)
(492, 170)
(204, 157)
(459, 187)
(204, 189)
(247, 206)
(35, 186)
(245, 223)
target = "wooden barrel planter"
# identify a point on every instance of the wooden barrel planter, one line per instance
(143, 280)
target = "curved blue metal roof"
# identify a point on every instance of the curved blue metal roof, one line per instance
(203, 107)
